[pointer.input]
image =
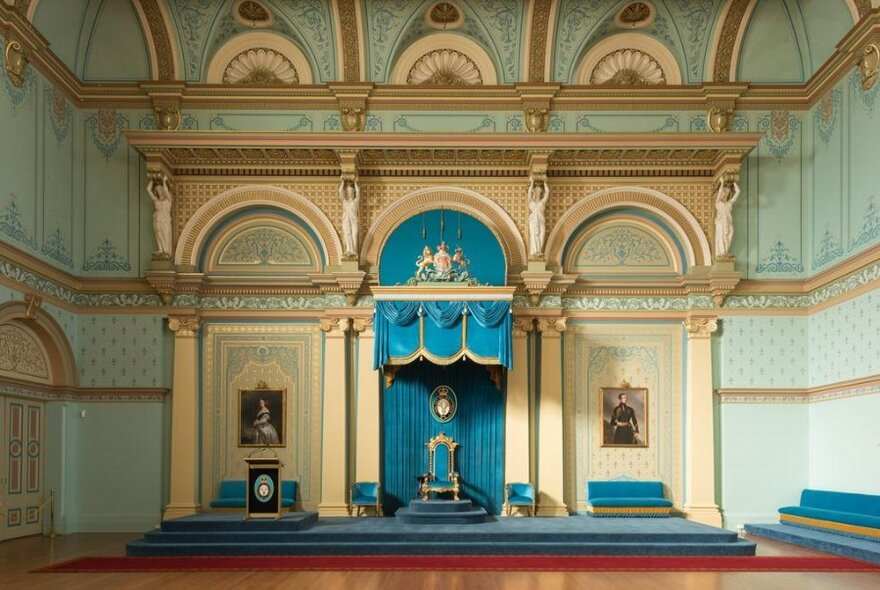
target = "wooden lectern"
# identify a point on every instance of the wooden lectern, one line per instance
(263, 487)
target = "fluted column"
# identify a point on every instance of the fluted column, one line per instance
(367, 419)
(334, 452)
(550, 441)
(700, 502)
(516, 420)
(183, 499)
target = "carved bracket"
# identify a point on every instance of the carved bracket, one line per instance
(33, 302)
(166, 99)
(16, 58)
(352, 101)
(869, 65)
(536, 283)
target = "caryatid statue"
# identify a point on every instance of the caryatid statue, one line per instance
(728, 193)
(160, 194)
(539, 192)
(350, 195)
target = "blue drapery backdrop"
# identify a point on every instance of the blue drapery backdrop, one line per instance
(407, 328)
(478, 427)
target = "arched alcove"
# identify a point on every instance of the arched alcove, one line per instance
(449, 198)
(34, 349)
(661, 207)
(219, 209)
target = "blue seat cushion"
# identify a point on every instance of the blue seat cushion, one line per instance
(228, 503)
(233, 494)
(363, 499)
(840, 516)
(867, 504)
(520, 501)
(624, 489)
(615, 502)
(439, 484)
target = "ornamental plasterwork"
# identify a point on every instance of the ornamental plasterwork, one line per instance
(444, 67)
(444, 16)
(260, 66)
(635, 15)
(264, 246)
(252, 13)
(21, 354)
(622, 246)
(628, 67)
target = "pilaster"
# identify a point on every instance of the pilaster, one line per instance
(184, 418)
(334, 452)
(550, 423)
(516, 421)
(700, 502)
(367, 404)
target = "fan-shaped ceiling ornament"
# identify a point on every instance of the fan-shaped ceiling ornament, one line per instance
(444, 67)
(635, 15)
(252, 13)
(628, 67)
(444, 15)
(260, 66)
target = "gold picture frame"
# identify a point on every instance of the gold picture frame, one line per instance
(624, 416)
(262, 417)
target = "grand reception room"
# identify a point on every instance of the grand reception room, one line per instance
(440, 294)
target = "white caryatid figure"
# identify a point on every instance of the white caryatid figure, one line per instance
(539, 192)
(350, 195)
(727, 195)
(160, 194)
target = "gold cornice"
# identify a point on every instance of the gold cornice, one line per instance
(804, 393)
(506, 97)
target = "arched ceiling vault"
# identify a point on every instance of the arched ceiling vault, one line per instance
(358, 40)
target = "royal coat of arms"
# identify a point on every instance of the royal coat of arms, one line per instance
(442, 267)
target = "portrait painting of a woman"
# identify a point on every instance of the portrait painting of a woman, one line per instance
(261, 418)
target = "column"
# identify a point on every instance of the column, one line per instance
(367, 419)
(700, 424)
(550, 424)
(334, 455)
(516, 420)
(184, 499)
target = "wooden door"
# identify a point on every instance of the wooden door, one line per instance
(21, 459)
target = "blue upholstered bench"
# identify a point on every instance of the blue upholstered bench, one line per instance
(627, 498)
(836, 512)
(233, 494)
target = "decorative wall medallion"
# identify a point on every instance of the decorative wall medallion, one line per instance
(60, 113)
(628, 67)
(635, 15)
(719, 119)
(353, 118)
(20, 353)
(264, 246)
(167, 118)
(11, 225)
(779, 259)
(16, 92)
(107, 259)
(826, 115)
(869, 65)
(260, 66)
(830, 249)
(56, 249)
(252, 13)
(780, 130)
(106, 127)
(444, 16)
(443, 403)
(444, 67)
(870, 227)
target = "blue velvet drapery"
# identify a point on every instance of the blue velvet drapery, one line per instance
(436, 329)
(478, 428)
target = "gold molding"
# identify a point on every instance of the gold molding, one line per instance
(846, 388)
(733, 22)
(157, 33)
(539, 35)
(86, 394)
(350, 40)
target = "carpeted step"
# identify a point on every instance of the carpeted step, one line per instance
(475, 516)
(852, 547)
(140, 548)
(292, 521)
(439, 506)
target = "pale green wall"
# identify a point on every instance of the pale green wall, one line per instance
(763, 351)
(123, 351)
(845, 340)
(108, 468)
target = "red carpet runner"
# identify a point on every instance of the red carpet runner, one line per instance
(462, 562)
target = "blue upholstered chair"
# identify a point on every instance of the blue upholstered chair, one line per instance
(441, 476)
(366, 494)
(519, 494)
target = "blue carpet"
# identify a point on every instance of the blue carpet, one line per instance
(438, 512)
(209, 534)
(819, 540)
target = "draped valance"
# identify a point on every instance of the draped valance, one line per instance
(443, 329)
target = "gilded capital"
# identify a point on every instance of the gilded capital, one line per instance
(523, 326)
(361, 325)
(184, 326)
(335, 326)
(551, 326)
(700, 327)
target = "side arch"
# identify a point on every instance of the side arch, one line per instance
(679, 219)
(43, 327)
(455, 199)
(199, 227)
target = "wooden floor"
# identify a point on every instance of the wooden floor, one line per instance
(20, 556)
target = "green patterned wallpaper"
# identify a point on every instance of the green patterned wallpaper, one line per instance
(764, 351)
(845, 340)
(123, 351)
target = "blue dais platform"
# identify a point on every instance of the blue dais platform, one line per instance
(306, 534)
(441, 512)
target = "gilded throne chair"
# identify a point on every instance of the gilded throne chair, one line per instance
(441, 476)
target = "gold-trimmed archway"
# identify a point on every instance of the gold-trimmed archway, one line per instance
(680, 220)
(44, 328)
(200, 225)
(453, 198)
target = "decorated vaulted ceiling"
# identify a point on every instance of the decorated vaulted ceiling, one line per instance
(459, 42)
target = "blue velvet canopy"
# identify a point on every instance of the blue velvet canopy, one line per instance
(443, 331)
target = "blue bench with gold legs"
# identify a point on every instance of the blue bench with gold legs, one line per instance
(233, 495)
(845, 513)
(628, 498)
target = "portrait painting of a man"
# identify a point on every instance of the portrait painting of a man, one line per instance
(624, 417)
